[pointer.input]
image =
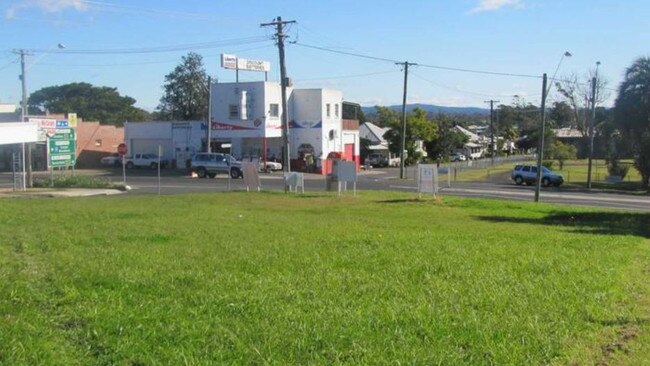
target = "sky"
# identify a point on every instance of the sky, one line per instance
(523, 37)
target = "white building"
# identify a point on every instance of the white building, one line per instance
(247, 116)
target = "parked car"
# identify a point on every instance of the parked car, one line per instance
(111, 160)
(527, 174)
(270, 166)
(145, 161)
(210, 164)
(457, 157)
(376, 160)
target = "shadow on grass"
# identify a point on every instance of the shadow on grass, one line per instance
(608, 223)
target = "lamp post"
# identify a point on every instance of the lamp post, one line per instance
(540, 147)
(594, 81)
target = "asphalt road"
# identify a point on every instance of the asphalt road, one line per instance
(144, 181)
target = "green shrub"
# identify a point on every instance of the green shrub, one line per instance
(548, 164)
(615, 168)
(69, 181)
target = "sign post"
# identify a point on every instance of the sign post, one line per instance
(427, 179)
(122, 150)
(159, 153)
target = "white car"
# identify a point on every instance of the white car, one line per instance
(270, 166)
(457, 157)
(111, 160)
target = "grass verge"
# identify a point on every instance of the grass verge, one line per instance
(237, 278)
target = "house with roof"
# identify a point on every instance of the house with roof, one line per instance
(378, 144)
(475, 147)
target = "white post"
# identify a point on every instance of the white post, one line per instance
(159, 153)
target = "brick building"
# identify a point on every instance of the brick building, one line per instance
(95, 141)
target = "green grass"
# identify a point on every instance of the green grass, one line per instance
(237, 278)
(575, 171)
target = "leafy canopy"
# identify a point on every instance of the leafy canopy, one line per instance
(92, 103)
(186, 93)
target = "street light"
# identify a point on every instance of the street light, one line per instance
(540, 146)
(594, 80)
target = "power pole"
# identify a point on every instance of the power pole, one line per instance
(591, 130)
(209, 145)
(27, 149)
(540, 145)
(279, 34)
(402, 158)
(492, 128)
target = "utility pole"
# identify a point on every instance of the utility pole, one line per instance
(591, 130)
(279, 24)
(27, 149)
(209, 145)
(402, 158)
(494, 149)
(540, 145)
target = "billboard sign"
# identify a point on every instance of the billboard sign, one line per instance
(232, 62)
(228, 61)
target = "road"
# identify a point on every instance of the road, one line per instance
(144, 181)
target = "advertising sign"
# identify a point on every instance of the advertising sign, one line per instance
(231, 62)
(228, 61)
(253, 65)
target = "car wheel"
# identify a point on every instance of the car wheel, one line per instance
(234, 173)
(154, 165)
(212, 175)
(201, 172)
(519, 180)
(129, 165)
(546, 182)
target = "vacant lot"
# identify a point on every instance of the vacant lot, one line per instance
(272, 279)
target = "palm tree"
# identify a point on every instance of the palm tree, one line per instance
(632, 113)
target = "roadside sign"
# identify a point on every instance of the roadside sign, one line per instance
(122, 149)
(72, 120)
(61, 148)
(427, 179)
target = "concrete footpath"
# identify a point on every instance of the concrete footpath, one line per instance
(58, 192)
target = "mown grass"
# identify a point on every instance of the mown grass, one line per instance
(236, 278)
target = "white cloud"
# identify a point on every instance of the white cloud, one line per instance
(491, 5)
(48, 6)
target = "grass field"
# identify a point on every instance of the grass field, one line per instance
(238, 278)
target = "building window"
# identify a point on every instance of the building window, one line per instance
(327, 110)
(98, 142)
(274, 110)
(336, 110)
(233, 111)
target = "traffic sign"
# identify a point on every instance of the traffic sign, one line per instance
(122, 149)
(62, 160)
(62, 146)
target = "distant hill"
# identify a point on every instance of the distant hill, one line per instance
(435, 109)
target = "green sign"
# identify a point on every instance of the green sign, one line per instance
(64, 134)
(61, 148)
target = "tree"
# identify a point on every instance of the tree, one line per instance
(418, 128)
(186, 93)
(561, 115)
(447, 138)
(577, 93)
(563, 152)
(632, 113)
(103, 104)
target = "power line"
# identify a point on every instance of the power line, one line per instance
(161, 49)
(142, 62)
(484, 72)
(347, 53)
(348, 76)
